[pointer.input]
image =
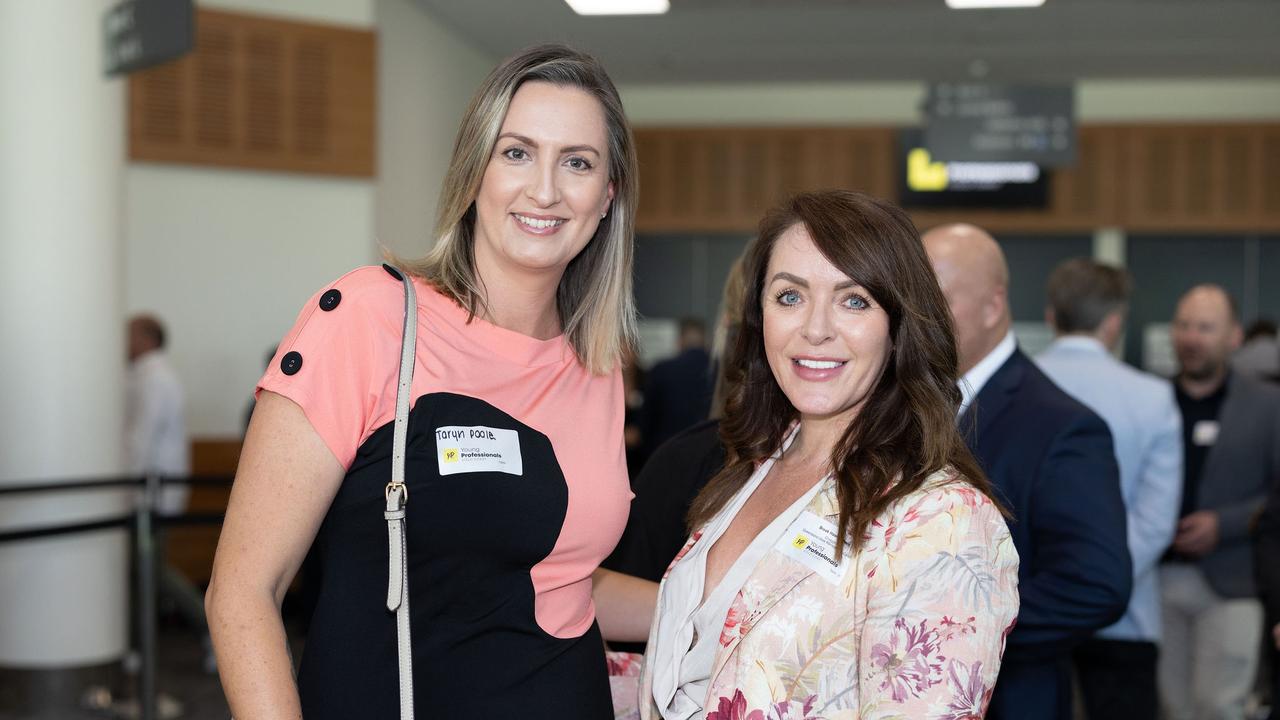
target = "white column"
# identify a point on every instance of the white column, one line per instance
(62, 600)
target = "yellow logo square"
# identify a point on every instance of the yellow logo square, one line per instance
(800, 542)
(450, 455)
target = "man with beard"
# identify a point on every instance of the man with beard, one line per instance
(1231, 438)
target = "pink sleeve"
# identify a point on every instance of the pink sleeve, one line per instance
(942, 601)
(334, 363)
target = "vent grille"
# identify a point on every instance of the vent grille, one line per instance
(264, 111)
(261, 93)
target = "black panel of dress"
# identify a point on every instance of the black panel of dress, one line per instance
(478, 651)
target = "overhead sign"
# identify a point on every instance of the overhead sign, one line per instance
(986, 122)
(930, 183)
(141, 33)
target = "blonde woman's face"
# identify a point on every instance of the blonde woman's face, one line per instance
(546, 185)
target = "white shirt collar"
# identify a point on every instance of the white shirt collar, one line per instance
(973, 381)
(1081, 343)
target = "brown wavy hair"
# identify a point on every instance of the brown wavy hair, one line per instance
(906, 429)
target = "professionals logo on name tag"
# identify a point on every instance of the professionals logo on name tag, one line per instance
(811, 541)
(477, 448)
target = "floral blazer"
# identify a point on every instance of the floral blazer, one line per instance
(914, 628)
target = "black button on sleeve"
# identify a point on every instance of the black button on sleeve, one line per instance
(330, 300)
(291, 363)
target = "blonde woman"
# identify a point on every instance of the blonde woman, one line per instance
(524, 310)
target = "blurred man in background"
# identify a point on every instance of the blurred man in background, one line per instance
(677, 391)
(157, 445)
(1087, 304)
(155, 426)
(1231, 440)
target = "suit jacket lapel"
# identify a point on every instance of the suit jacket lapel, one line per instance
(993, 398)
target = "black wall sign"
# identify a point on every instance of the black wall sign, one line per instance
(142, 33)
(984, 122)
(926, 182)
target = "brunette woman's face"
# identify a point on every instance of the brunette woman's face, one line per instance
(547, 184)
(825, 337)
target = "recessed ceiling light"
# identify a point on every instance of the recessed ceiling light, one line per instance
(977, 4)
(619, 7)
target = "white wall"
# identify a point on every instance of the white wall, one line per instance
(899, 103)
(228, 257)
(426, 79)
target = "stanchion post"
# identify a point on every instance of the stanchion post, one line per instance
(146, 561)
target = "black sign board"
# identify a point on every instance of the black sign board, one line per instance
(926, 182)
(984, 122)
(142, 33)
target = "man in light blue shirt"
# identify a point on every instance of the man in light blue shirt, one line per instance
(1087, 302)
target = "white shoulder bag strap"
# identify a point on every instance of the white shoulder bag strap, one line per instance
(397, 495)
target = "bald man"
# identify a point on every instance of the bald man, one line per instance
(1231, 440)
(1052, 462)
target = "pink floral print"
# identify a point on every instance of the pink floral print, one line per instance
(970, 694)
(910, 663)
(914, 628)
(734, 708)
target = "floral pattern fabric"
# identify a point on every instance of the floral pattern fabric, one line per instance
(915, 627)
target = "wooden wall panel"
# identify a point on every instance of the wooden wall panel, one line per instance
(261, 93)
(722, 179)
(1268, 175)
(1148, 177)
(190, 548)
(1197, 178)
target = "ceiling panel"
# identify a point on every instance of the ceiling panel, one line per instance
(891, 40)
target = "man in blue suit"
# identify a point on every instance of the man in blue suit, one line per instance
(1052, 462)
(1088, 301)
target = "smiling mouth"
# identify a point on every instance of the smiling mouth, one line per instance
(819, 364)
(537, 224)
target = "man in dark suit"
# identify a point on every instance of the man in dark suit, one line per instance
(1231, 443)
(677, 391)
(1052, 462)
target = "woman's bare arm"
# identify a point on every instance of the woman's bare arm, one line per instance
(285, 482)
(624, 605)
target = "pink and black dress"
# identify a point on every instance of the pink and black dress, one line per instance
(517, 490)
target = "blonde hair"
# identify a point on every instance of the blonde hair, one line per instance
(594, 300)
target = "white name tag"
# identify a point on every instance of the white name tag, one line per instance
(478, 449)
(811, 541)
(1205, 433)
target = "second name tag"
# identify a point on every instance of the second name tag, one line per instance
(477, 448)
(1205, 433)
(811, 541)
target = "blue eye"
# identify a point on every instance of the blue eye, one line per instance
(787, 297)
(579, 163)
(857, 302)
(515, 153)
